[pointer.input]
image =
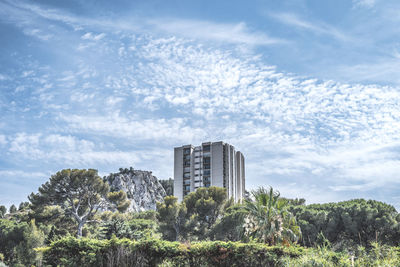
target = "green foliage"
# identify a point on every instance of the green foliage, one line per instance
(350, 233)
(318, 258)
(59, 223)
(3, 211)
(194, 218)
(171, 216)
(70, 251)
(79, 193)
(168, 186)
(118, 201)
(23, 205)
(135, 229)
(204, 206)
(231, 226)
(269, 220)
(11, 235)
(377, 255)
(18, 240)
(322, 241)
(13, 208)
(33, 238)
(147, 215)
(295, 201)
(349, 223)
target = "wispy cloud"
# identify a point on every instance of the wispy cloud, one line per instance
(23, 174)
(383, 71)
(238, 33)
(138, 129)
(364, 3)
(316, 27)
(3, 140)
(125, 96)
(94, 37)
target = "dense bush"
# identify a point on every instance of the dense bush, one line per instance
(135, 229)
(70, 251)
(17, 242)
(349, 223)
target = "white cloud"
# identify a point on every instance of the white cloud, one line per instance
(66, 150)
(206, 30)
(171, 91)
(93, 37)
(111, 101)
(3, 140)
(22, 174)
(38, 34)
(27, 73)
(364, 3)
(383, 70)
(316, 27)
(19, 88)
(169, 130)
(68, 143)
(26, 144)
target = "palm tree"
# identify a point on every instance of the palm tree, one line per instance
(269, 220)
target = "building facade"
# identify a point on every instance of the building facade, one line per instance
(210, 164)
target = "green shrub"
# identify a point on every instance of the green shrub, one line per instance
(70, 251)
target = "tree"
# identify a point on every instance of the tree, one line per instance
(79, 193)
(349, 223)
(204, 206)
(231, 226)
(3, 211)
(171, 216)
(269, 220)
(118, 201)
(11, 236)
(13, 209)
(33, 238)
(168, 186)
(23, 205)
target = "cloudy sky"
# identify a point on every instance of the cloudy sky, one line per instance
(309, 91)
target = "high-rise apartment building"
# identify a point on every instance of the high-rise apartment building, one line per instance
(210, 164)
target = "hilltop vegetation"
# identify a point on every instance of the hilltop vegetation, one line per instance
(205, 229)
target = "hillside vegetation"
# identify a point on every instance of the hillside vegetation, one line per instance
(76, 220)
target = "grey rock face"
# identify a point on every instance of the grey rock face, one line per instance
(142, 188)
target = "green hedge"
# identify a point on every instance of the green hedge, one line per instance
(70, 251)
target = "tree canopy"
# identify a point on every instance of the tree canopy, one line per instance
(79, 193)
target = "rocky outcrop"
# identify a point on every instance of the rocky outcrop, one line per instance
(142, 188)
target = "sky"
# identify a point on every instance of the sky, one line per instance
(308, 91)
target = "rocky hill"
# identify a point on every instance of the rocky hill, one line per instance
(142, 188)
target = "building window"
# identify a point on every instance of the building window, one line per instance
(206, 148)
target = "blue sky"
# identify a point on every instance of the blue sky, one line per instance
(307, 90)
